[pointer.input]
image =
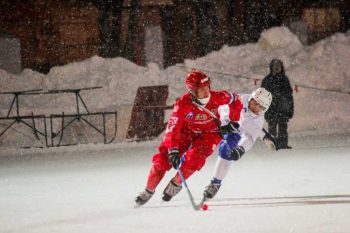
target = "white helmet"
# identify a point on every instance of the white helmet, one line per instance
(262, 97)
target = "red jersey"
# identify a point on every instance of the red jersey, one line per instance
(187, 115)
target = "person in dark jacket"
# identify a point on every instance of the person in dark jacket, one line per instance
(282, 106)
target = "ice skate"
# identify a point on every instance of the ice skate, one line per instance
(211, 190)
(143, 197)
(171, 190)
(285, 147)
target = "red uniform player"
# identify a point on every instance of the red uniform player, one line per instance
(190, 133)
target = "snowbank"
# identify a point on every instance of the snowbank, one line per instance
(323, 65)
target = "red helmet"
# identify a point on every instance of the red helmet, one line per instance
(196, 79)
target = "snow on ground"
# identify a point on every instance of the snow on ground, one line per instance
(91, 188)
(323, 65)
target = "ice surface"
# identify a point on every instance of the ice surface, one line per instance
(91, 188)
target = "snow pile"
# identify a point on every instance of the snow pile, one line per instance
(240, 69)
(280, 39)
(119, 77)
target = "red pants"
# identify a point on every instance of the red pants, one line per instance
(193, 146)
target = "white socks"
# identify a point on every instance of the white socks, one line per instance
(221, 168)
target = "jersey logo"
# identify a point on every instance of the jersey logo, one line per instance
(189, 115)
(201, 117)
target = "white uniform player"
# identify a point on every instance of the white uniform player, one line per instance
(236, 143)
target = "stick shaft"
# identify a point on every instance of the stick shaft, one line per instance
(193, 203)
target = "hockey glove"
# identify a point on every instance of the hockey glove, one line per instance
(229, 128)
(270, 141)
(174, 157)
(237, 153)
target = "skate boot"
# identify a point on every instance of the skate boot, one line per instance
(171, 190)
(211, 190)
(143, 197)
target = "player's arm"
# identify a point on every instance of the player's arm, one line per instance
(173, 134)
(235, 108)
(230, 114)
(227, 126)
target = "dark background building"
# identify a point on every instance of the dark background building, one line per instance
(56, 32)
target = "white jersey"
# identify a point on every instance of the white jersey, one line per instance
(250, 126)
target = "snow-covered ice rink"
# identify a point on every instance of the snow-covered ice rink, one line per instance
(92, 188)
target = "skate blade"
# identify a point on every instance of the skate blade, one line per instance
(137, 205)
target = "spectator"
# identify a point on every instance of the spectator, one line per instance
(282, 106)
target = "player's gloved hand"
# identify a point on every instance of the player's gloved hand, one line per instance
(270, 141)
(229, 128)
(174, 157)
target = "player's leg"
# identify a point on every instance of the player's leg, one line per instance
(174, 186)
(194, 159)
(223, 163)
(201, 148)
(159, 167)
